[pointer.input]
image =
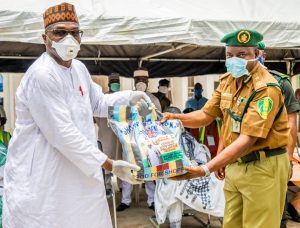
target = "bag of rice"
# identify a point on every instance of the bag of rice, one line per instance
(148, 143)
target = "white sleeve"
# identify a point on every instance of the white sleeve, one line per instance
(50, 112)
(101, 101)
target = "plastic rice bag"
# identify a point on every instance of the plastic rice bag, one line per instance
(148, 143)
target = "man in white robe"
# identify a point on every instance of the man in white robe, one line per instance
(53, 176)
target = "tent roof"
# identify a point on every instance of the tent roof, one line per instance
(171, 37)
(118, 22)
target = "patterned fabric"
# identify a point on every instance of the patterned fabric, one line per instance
(64, 12)
(198, 188)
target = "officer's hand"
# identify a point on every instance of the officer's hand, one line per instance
(168, 116)
(123, 170)
(220, 174)
(193, 172)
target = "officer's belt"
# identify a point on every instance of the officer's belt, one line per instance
(261, 154)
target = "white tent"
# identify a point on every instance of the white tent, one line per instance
(154, 31)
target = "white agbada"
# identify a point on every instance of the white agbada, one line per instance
(53, 175)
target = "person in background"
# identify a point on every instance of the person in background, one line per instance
(141, 80)
(141, 84)
(198, 101)
(3, 117)
(4, 141)
(293, 206)
(292, 107)
(53, 172)
(163, 89)
(109, 141)
(297, 95)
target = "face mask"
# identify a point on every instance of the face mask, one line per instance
(260, 59)
(141, 86)
(115, 87)
(198, 92)
(163, 89)
(67, 48)
(236, 66)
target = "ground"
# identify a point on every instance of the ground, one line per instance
(137, 216)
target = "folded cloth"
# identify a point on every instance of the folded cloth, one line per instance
(203, 194)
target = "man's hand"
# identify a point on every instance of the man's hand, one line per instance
(142, 101)
(220, 174)
(144, 108)
(193, 172)
(138, 96)
(123, 170)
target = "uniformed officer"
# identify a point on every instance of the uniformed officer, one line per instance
(292, 107)
(255, 135)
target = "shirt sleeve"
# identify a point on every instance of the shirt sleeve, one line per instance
(47, 105)
(100, 101)
(259, 119)
(212, 106)
(290, 101)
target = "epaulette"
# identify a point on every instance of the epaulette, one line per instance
(224, 75)
(258, 83)
(281, 75)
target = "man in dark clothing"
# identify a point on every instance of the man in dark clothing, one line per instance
(163, 88)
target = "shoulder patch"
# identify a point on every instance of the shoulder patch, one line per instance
(264, 107)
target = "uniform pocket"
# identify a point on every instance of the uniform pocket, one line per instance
(224, 104)
(262, 168)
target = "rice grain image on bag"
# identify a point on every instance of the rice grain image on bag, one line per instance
(146, 142)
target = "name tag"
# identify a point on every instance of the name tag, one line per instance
(235, 126)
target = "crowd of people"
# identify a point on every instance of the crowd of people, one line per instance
(54, 168)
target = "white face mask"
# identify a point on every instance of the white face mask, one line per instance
(141, 86)
(163, 89)
(67, 48)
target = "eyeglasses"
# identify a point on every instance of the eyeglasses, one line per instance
(62, 32)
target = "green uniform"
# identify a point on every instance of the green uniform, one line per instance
(290, 101)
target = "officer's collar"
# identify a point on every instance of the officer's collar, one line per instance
(247, 79)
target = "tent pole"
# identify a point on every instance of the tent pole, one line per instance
(173, 48)
(136, 59)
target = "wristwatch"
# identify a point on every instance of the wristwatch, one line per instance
(206, 170)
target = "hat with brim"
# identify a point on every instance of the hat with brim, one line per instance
(243, 38)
